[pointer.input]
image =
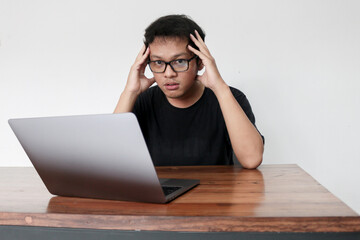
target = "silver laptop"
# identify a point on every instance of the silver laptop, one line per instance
(95, 156)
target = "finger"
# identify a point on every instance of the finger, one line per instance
(141, 53)
(199, 38)
(196, 41)
(201, 55)
(146, 55)
(142, 68)
(200, 45)
(201, 41)
(194, 50)
(141, 60)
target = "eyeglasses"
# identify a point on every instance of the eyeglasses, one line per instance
(178, 65)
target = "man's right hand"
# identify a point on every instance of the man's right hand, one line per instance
(137, 81)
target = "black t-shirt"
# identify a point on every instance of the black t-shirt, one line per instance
(196, 135)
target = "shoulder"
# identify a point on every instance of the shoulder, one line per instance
(150, 92)
(240, 97)
(237, 93)
(209, 95)
(147, 99)
(244, 102)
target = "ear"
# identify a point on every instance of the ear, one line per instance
(200, 65)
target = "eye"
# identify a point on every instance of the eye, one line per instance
(158, 62)
(180, 62)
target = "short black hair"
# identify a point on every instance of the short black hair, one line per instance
(178, 26)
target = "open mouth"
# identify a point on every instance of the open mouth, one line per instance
(171, 86)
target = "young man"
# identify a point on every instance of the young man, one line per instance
(188, 119)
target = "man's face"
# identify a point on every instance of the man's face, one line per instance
(179, 85)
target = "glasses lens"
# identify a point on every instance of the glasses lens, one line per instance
(157, 66)
(179, 65)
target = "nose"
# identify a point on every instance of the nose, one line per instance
(169, 72)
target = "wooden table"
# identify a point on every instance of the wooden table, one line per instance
(280, 200)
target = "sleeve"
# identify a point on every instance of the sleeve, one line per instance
(144, 106)
(137, 106)
(141, 107)
(245, 105)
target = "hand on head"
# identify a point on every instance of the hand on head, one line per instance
(211, 78)
(137, 81)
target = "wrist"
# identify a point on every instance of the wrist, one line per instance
(126, 102)
(130, 94)
(220, 88)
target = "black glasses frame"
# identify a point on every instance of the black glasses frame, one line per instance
(169, 63)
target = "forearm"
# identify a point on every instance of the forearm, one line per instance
(126, 102)
(245, 139)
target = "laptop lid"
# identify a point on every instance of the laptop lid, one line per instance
(96, 156)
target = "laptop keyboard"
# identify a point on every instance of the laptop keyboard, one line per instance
(168, 190)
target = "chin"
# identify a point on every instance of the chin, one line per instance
(173, 95)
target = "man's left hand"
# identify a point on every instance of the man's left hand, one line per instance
(211, 78)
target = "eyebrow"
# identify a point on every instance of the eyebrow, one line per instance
(172, 57)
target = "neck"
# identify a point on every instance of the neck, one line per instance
(190, 98)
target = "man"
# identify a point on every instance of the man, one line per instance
(188, 119)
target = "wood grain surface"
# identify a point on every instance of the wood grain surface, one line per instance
(274, 198)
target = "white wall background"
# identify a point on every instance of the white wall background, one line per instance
(297, 61)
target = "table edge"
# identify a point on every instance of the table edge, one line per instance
(177, 223)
